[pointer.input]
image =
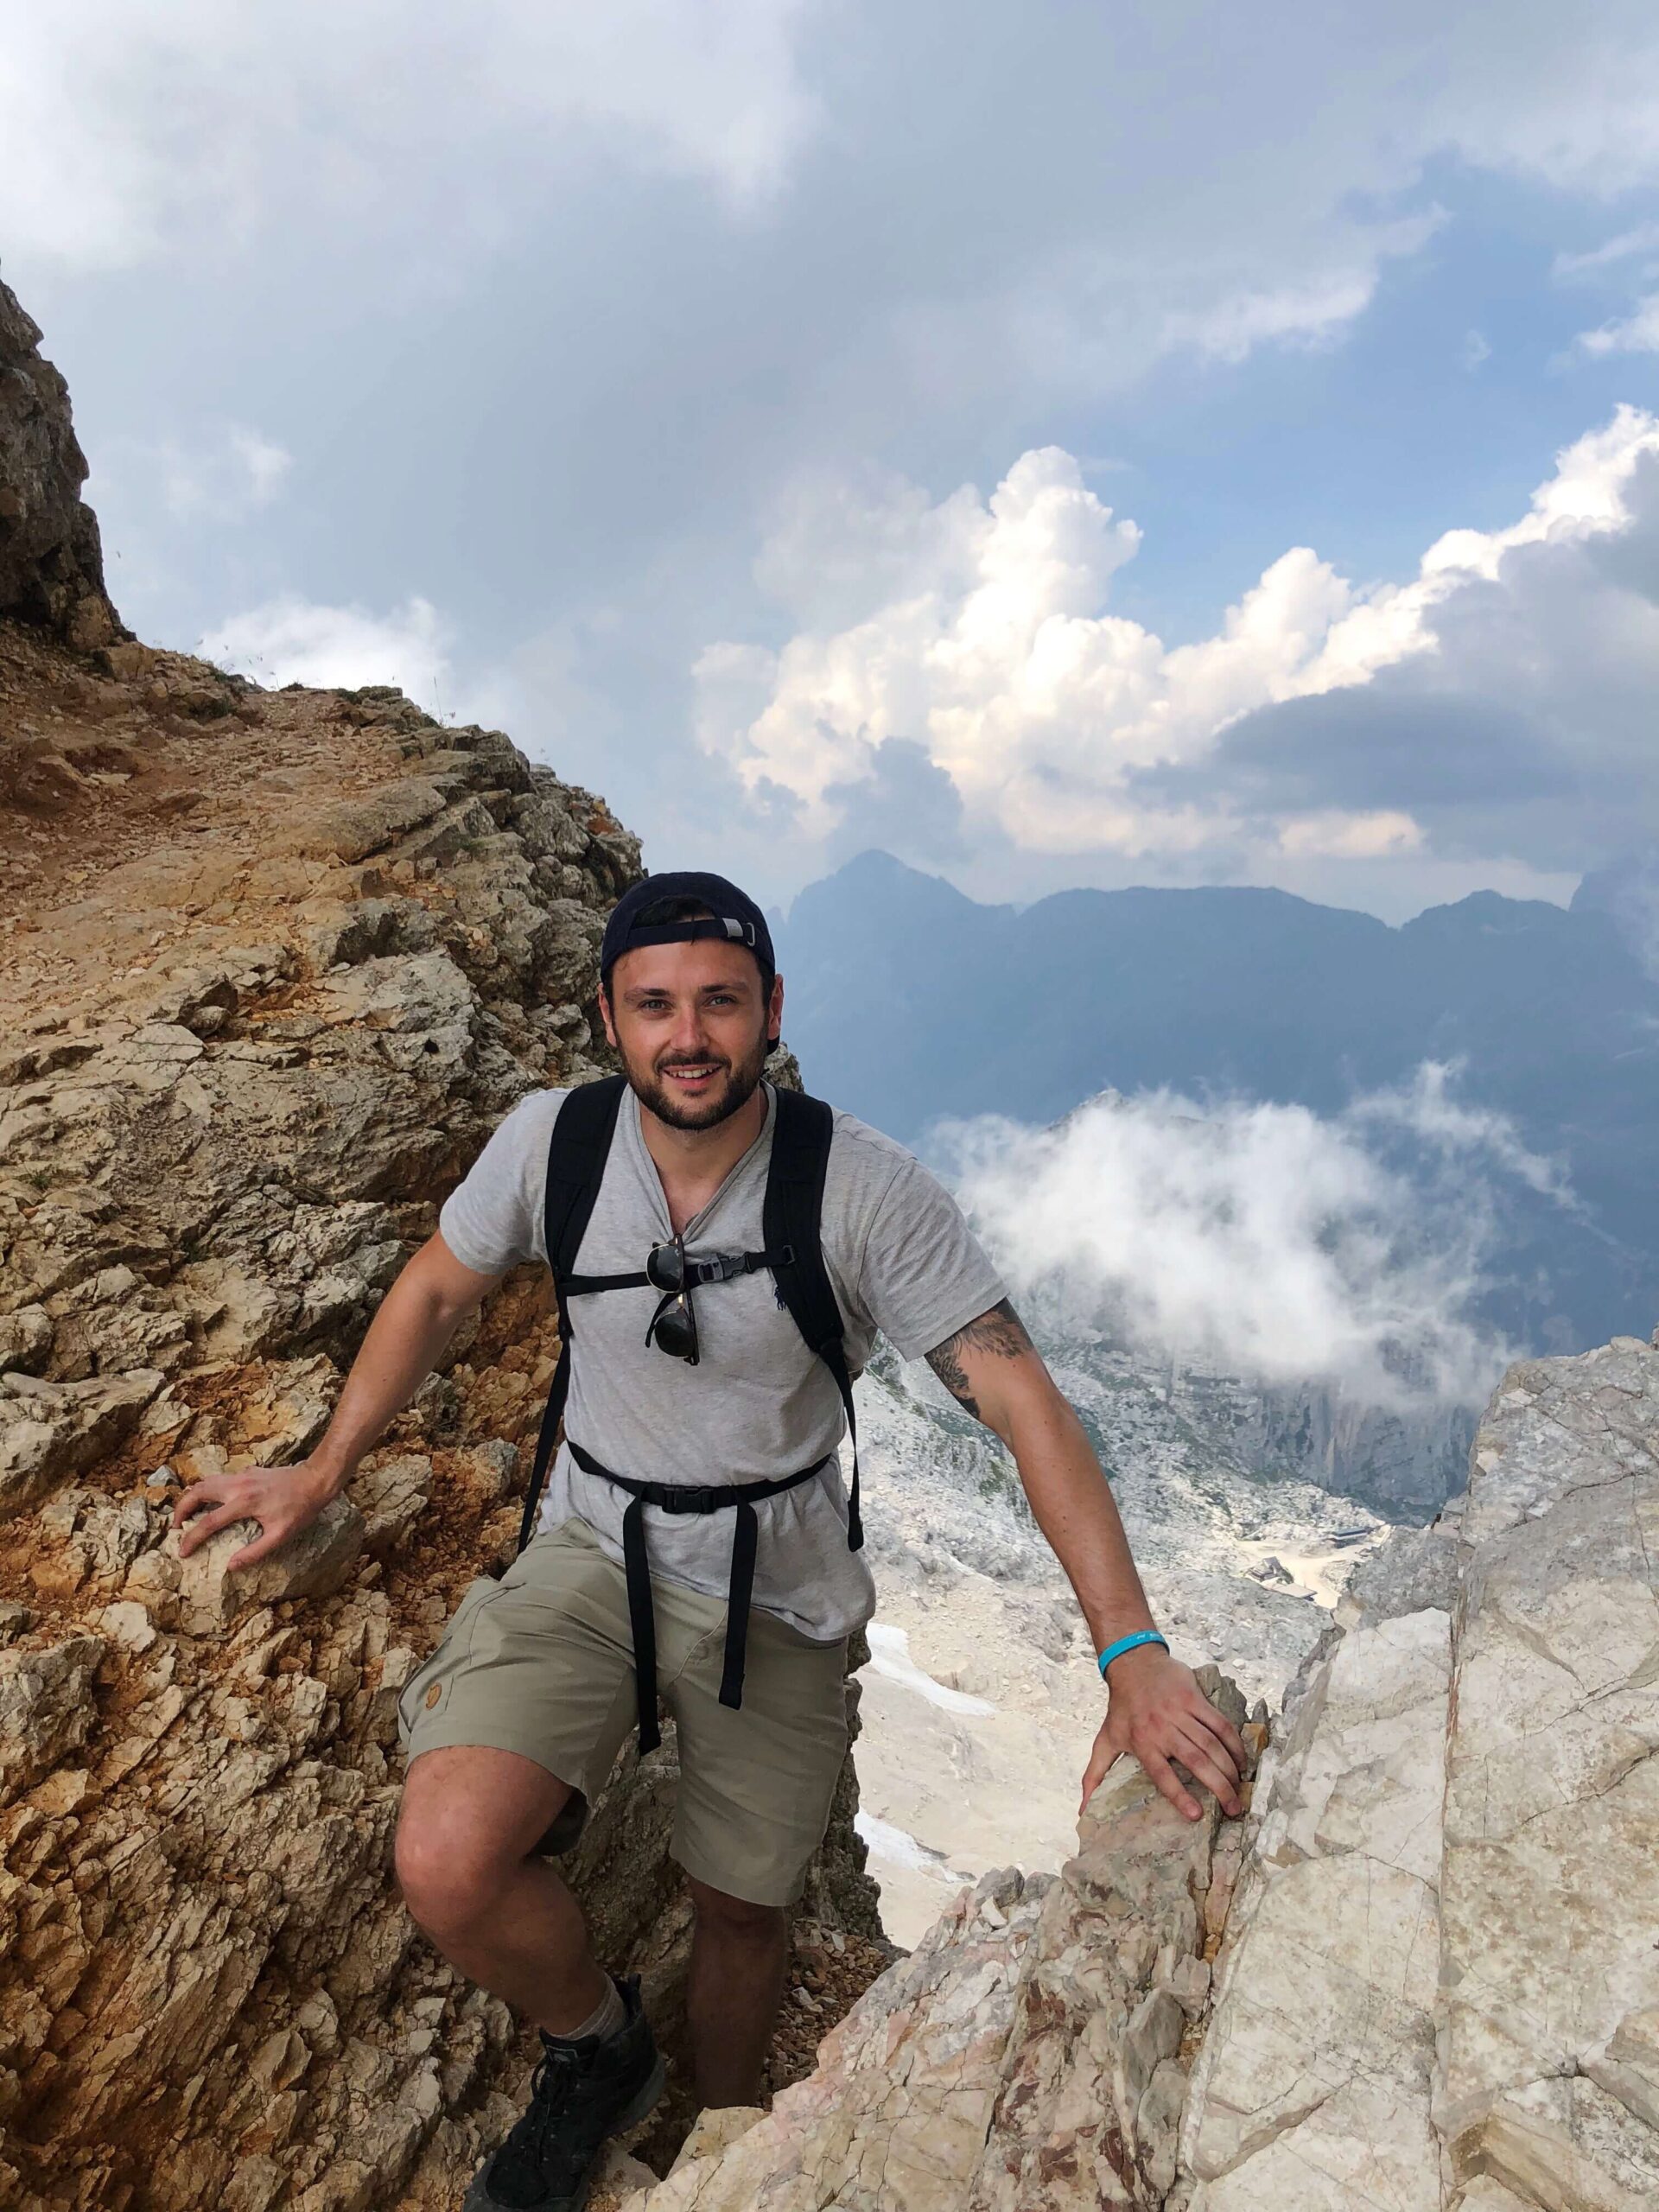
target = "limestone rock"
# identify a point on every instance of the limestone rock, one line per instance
(313, 1564)
(1022, 2059)
(714, 2132)
(897, 2113)
(353, 829)
(1315, 2075)
(1552, 1788)
(45, 1708)
(25, 1340)
(49, 1431)
(1414, 1571)
(392, 1496)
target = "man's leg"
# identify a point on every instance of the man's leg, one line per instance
(738, 1955)
(470, 1821)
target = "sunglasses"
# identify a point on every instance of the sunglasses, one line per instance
(674, 1324)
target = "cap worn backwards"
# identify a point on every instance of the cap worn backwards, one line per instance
(644, 916)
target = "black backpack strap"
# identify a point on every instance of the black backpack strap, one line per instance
(577, 1154)
(793, 1223)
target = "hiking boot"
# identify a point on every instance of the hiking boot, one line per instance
(581, 2093)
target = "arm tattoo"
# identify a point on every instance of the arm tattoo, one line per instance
(1001, 1332)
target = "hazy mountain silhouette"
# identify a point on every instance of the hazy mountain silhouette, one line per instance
(926, 1004)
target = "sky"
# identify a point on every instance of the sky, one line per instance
(1059, 444)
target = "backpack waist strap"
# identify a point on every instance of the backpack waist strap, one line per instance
(740, 1498)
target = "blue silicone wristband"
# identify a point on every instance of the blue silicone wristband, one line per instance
(1128, 1643)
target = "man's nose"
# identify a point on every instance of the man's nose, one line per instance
(690, 1036)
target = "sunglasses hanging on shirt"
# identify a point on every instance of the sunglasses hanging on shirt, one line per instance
(677, 1273)
(674, 1324)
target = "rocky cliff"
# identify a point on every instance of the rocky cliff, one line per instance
(1422, 1975)
(51, 565)
(273, 965)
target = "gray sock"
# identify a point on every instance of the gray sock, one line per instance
(608, 2018)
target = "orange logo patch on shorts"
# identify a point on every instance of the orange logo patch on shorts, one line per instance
(433, 1695)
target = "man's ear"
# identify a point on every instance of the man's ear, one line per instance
(606, 1017)
(775, 1015)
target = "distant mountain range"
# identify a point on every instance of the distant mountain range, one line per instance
(909, 1002)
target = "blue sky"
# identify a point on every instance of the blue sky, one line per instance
(1436, 411)
(644, 379)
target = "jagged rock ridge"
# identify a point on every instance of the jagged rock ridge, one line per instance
(273, 965)
(1436, 1985)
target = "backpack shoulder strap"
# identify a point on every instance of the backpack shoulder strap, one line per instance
(793, 1224)
(576, 1154)
(581, 1145)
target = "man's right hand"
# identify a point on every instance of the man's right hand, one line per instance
(283, 1500)
(416, 1321)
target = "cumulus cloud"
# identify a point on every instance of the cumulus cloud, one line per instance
(290, 640)
(1322, 718)
(554, 299)
(1263, 1238)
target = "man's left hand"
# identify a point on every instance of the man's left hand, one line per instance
(1157, 1713)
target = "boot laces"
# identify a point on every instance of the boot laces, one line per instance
(525, 2152)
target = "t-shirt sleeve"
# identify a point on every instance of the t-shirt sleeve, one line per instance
(924, 1273)
(492, 1220)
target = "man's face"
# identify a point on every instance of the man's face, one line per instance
(692, 1027)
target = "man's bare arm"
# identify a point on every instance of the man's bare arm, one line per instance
(417, 1317)
(1156, 1710)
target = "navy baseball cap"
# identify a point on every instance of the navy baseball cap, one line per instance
(645, 915)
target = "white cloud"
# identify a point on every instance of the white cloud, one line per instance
(1254, 202)
(131, 132)
(1636, 333)
(1626, 245)
(1312, 311)
(1334, 836)
(226, 477)
(1430, 1112)
(1263, 1237)
(291, 640)
(1474, 353)
(981, 631)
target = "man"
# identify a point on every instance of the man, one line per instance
(535, 1685)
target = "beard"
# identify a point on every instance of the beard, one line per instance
(728, 1097)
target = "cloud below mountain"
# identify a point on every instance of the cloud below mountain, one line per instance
(1264, 1238)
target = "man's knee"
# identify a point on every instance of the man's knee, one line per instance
(728, 1916)
(446, 1883)
(450, 1870)
(468, 1821)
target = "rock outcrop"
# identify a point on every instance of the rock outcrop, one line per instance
(51, 567)
(1441, 1988)
(1029, 2056)
(272, 967)
(1436, 1975)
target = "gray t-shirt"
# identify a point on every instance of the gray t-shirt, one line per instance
(758, 1404)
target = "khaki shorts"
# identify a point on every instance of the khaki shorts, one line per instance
(541, 1663)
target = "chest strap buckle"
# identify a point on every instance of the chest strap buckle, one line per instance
(690, 1497)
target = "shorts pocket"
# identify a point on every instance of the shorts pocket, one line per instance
(453, 1645)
